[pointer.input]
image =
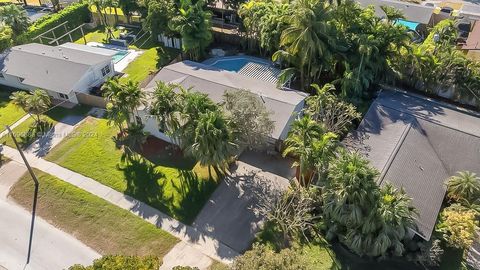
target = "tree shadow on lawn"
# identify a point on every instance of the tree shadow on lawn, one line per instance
(195, 193)
(143, 183)
(37, 130)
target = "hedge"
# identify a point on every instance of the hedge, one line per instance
(76, 14)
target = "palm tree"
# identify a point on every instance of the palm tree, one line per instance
(300, 144)
(213, 142)
(166, 106)
(393, 14)
(194, 25)
(132, 141)
(15, 17)
(36, 103)
(464, 186)
(309, 40)
(323, 151)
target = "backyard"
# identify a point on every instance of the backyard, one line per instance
(9, 113)
(153, 58)
(104, 227)
(26, 132)
(162, 177)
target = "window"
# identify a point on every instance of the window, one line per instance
(105, 70)
(63, 96)
(20, 79)
(1, 76)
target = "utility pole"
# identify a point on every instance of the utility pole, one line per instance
(35, 195)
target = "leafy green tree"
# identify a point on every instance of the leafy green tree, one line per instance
(121, 262)
(369, 220)
(128, 7)
(249, 117)
(166, 106)
(100, 5)
(299, 143)
(464, 186)
(159, 13)
(393, 14)
(132, 141)
(309, 41)
(459, 226)
(16, 18)
(336, 114)
(213, 143)
(194, 25)
(35, 103)
(263, 258)
(123, 99)
(6, 34)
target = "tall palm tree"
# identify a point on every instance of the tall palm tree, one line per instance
(465, 185)
(213, 142)
(194, 25)
(166, 106)
(132, 141)
(323, 151)
(15, 17)
(309, 40)
(35, 103)
(300, 144)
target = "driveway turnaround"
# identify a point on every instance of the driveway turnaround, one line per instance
(230, 214)
(52, 248)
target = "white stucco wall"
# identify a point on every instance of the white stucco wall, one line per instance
(13, 81)
(151, 126)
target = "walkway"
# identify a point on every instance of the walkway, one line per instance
(205, 244)
(14, 125)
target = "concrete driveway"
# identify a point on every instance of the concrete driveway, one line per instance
(230, 215)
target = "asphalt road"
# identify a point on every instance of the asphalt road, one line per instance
(52, 248)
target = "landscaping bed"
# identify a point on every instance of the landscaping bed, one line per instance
(174, 185)
(104, 227)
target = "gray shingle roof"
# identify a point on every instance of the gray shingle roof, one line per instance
(417, 144)
(51, 68)
(213, 82)
(412, 12)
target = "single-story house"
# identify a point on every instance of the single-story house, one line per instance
(417, 144)
(414, 13)
(62, 70)
(284, 105)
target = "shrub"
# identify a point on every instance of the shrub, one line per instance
(120, 262)
(75, 14)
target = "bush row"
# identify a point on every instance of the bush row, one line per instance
(75, 14)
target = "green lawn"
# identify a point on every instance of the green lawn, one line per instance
(149, 62)
(174, 185)
(96, 35)
(103, 226)
(9, 113)
(26, 134)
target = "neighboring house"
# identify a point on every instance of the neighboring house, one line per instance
(63, 71)
(472, 45)
(417, 144)
(284, 105)
(416, 14)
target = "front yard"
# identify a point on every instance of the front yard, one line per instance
(163, 179)
(102, 226)
(26, 132)
(9, 113)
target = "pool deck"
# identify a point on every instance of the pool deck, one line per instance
(123, 63)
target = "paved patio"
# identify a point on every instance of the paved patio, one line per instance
(230, 214)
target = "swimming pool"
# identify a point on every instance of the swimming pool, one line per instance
(235, 63)
(119, 56)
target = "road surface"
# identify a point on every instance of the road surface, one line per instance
(52, 249)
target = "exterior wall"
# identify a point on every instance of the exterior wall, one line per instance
(151, 126)
(91, 100)
(12, 81)
(93, 77)
(296, 113)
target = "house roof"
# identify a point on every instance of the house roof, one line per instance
(417, 144)
(412, 12)
(473, 40)
(214, 81)
(51, 68)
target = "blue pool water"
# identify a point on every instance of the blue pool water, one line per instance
(231, 64)
(119, 56)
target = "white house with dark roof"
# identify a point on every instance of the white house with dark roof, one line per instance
(417, 144)
(62, 70)
(284, 105)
